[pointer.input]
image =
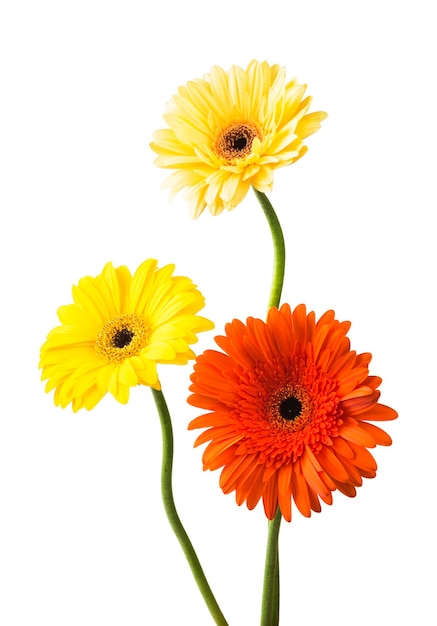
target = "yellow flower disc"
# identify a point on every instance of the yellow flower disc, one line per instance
(122, 337)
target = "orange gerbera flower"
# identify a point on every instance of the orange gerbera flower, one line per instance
(289, 409)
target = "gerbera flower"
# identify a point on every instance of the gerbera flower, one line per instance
(289, 410)
(119, 327)
(230, 130)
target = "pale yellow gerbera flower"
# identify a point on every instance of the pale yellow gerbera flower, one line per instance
(119, 327)
(230, 130)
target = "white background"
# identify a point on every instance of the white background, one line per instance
(83, 537)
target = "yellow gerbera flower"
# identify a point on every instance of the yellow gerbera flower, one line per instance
(119, 327)
(230, 130)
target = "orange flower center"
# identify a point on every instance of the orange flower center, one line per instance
(235, 142)
(122, 337)
(290, 407)
(284, 404)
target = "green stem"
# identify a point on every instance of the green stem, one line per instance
(172, 514)
(270, 600)
(278, 249)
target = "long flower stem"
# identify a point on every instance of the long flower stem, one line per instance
(270, 601)
(172, 514)
(278, 249)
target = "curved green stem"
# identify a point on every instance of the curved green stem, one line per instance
(172, 514)
(278, 249)
(270, 600)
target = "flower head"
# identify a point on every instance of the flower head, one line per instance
(230, 130)
(116, 331)
(289, 410)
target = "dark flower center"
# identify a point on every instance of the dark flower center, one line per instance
(238, 143)
(122, 338)
(235, 142)
(290, 408)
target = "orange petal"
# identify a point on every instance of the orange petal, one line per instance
(284, 478)
(379, 435)
(379, 412)
(300, 491)
(311, 476)
(358, 435)
(331, 465)
(270, 498)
